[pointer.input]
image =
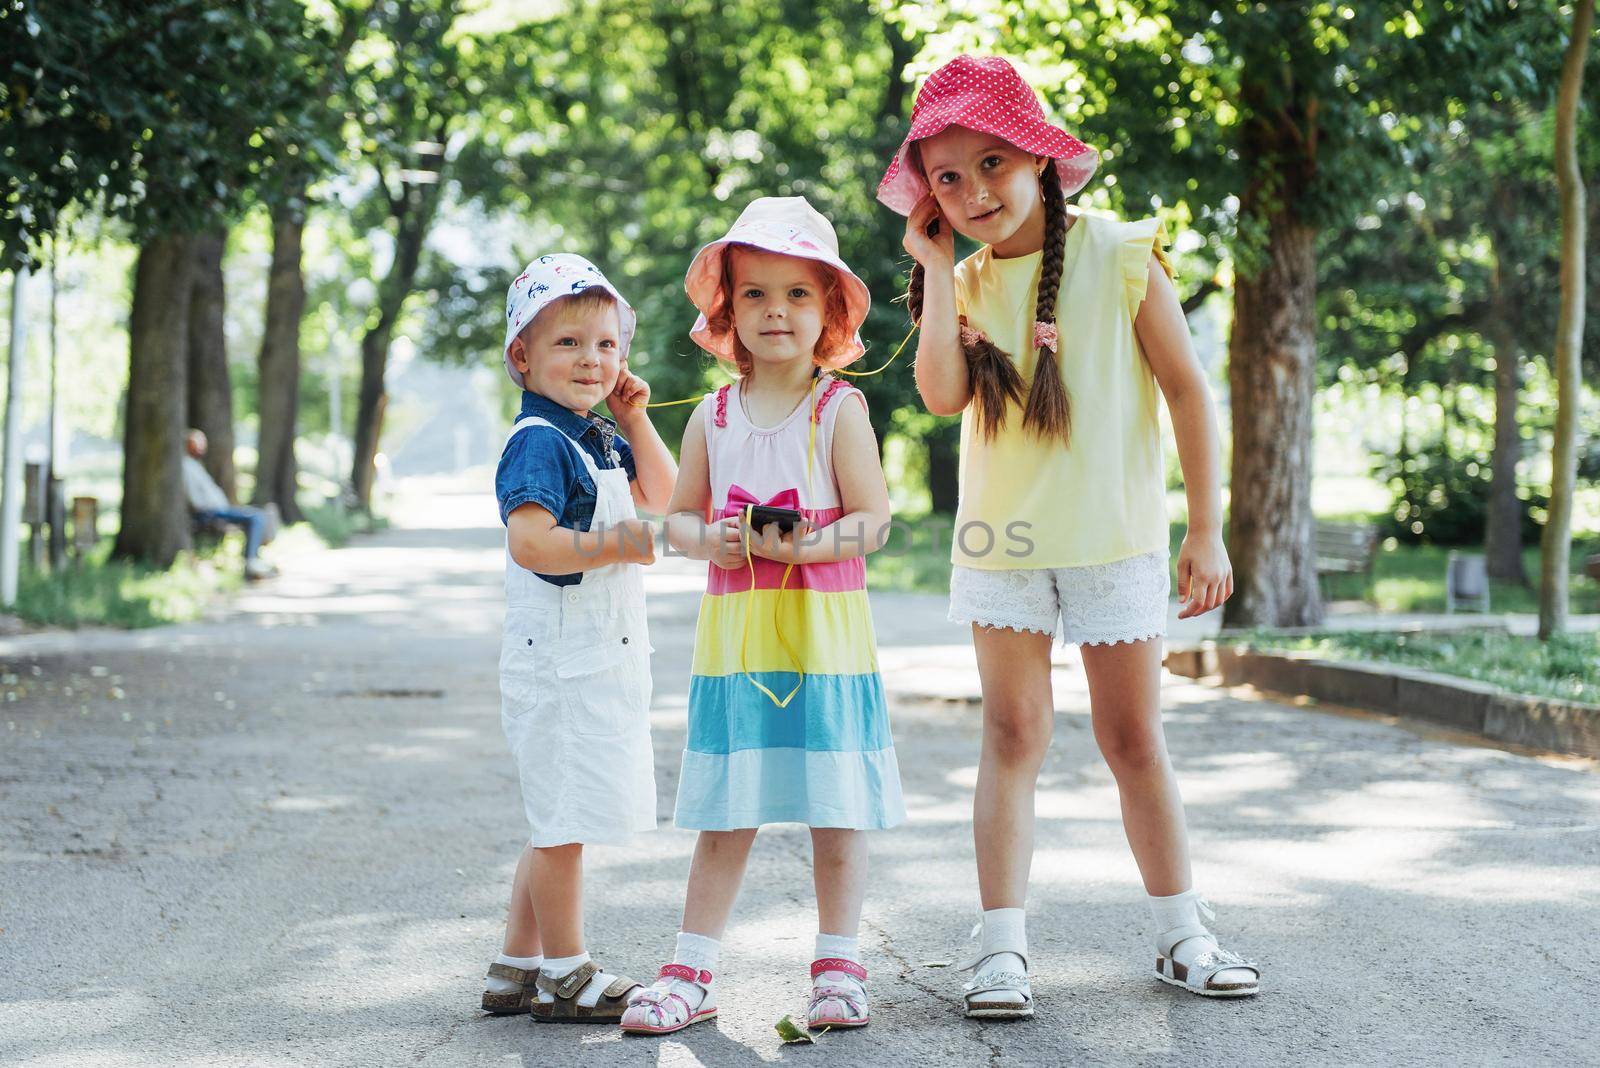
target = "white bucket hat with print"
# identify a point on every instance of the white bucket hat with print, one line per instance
(545, 281)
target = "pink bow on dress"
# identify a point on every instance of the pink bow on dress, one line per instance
(739, 497)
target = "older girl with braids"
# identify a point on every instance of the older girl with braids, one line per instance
(1051, 342)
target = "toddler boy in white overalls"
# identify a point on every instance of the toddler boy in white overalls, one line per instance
(575, 652)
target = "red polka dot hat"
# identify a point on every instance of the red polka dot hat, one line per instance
(988, 95)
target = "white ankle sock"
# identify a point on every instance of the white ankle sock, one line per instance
(697, 952)
(1005, 945)
(1176, 910)
(693, 951)
(1005, 935)
(561, 967)
(845, 947)
(1183, 910)
(506, 986)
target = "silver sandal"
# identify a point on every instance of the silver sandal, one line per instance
(1198, 976)
(978, 993)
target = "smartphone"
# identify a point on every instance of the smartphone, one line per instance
(763, 516)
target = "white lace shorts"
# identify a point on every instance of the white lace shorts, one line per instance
(1123, 601)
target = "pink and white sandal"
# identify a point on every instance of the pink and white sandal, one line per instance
(660, 1009)
(838, 995)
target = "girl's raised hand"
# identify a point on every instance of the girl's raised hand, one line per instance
(1205, 576)
(936, 252)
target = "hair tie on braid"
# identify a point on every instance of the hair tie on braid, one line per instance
(1048, 412)
(994, 379)
(1044, 335)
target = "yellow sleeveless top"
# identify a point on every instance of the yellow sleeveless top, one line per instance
(1028, 503)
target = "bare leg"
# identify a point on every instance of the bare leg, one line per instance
(522, 929)
(556, 877)
(714, 878)
(1018, 717)
(1125, 703)
(839, 868)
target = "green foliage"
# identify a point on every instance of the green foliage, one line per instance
(1304, 106)
(1566, 667)
(720, 103)
(916, 557)
(335, 524)
(1443, 498)
(162, 112)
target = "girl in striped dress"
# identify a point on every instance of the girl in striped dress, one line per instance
(787, 720)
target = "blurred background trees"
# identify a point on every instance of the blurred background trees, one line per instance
(263, 213)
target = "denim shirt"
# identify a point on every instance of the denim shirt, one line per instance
(538, 467)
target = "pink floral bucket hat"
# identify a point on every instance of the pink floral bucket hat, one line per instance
(789, 226)
(987, 95)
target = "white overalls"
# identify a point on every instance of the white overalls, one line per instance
(575, 688)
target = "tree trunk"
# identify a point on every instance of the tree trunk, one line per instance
(370, 404)
(276, 470)
(415, 214)
(944, 463)
(1272, 379)
(210, 404)
(1503, 538)
(1556, 546)
(155, 519)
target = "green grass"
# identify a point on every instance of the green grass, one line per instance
(335, 525)
(1410, 578)
(100, 591)
(1566, 667)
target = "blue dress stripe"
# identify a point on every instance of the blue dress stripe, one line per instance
(831, 713)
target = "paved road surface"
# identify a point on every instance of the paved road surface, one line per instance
(286, 838)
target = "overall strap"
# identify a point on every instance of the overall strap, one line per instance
(534, 420)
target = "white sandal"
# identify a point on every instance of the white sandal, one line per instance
(1198, 975)
(839, 1001)
(978, 994)
(658, 1009)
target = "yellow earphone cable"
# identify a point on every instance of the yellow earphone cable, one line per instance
(749, 559)
(838, 371)
(777, 601)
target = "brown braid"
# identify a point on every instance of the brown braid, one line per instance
(994, 378)
(1049, 410)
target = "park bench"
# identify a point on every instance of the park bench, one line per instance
(1345, 549)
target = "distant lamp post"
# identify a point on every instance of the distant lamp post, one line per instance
(11, 471)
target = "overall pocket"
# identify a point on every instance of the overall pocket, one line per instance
(526, 669)
(603, 680)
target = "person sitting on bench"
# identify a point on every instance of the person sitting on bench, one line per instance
(209, 503)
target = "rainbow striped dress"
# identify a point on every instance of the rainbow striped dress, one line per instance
(827, 758)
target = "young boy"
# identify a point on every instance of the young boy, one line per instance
(575, 656)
